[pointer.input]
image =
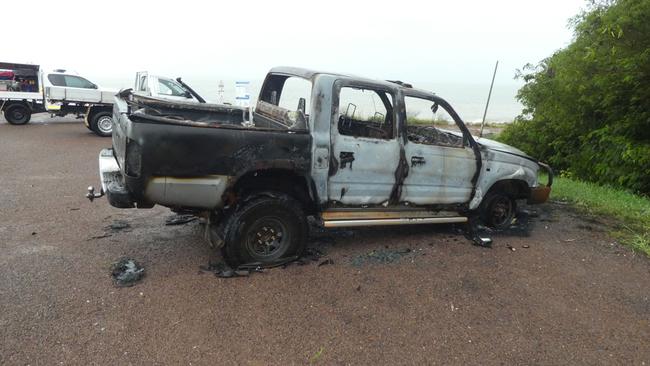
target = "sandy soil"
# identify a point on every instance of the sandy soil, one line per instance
(566, 294)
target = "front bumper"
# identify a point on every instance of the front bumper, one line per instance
(112, 181)
(541, 193)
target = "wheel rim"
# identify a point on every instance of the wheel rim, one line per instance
(502, 210)
(105, 124)
(18, 114)
(268, 237)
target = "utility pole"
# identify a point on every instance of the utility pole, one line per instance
(488, 99)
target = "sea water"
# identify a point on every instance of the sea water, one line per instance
(467, 99)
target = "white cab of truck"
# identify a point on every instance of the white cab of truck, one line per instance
(163, 87)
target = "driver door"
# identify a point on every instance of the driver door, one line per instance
(441, 163)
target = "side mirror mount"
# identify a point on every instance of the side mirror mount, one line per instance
(302, 103)
(188, 95)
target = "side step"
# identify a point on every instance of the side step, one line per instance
(372, 218)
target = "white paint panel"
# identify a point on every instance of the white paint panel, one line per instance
(370, 178)
(444, 177)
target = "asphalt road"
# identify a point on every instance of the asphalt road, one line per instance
(558, 290)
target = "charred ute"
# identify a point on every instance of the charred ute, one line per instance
(348, 151)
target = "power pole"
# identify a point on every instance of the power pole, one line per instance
(488, 99)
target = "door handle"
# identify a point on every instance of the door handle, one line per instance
(417, 160)
(346, 157)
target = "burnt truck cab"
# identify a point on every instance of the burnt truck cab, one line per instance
(348, 151)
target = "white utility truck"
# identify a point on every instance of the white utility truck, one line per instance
(27, 89)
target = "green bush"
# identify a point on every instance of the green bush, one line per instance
(587, 107)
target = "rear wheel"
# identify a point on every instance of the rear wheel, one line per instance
(102, 124)
(18, 114)
(265, 230)
(498, 210)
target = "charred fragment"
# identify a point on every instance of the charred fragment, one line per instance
(432, 136)
(401, 173)
(346, 158)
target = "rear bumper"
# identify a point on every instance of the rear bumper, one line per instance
(541, 194)
(112, 181)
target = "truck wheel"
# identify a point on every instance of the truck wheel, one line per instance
(17, 114)
(265, 230)
(498, 210)
(102, 124)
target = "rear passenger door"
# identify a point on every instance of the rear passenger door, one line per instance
(365, 149)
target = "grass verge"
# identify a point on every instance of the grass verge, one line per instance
(633, 211)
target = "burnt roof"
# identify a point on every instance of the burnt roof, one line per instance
(310, 74)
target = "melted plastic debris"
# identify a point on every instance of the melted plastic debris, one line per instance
(180, 219)
(223, 270)
(126, 272)
(119, 225)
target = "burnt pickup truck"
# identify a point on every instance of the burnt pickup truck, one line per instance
(344, 150)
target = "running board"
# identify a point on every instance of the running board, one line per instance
(398, 221)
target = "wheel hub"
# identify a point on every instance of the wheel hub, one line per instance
(266, 238)
(17, 114)
(105, 124)
(501, 210)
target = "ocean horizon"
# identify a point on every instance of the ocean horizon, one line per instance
(467, 99)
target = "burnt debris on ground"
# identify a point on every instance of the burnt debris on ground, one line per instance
(118, 225)
(320, 240)
(180, 219)
(126, 272)
(315, 251)
(522, 224)
(380, 256)
(223, 270)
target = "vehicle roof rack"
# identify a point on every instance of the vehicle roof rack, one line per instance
(400, 83)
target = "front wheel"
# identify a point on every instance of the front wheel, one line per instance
(18, 114)
(265, 230)
(102, 124)
(498, 210)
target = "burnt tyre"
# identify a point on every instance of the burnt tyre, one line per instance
(498, 210)
(17, 114)
(266, 229)
(102, 124)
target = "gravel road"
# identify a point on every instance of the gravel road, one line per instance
(558, 291)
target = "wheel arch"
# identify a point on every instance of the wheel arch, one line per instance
(516, 188)
(98, 109)
(281, 180)
(11, 103)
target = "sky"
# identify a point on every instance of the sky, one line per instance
(451, 46)
(433, 41)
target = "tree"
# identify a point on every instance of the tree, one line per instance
(587, 106)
